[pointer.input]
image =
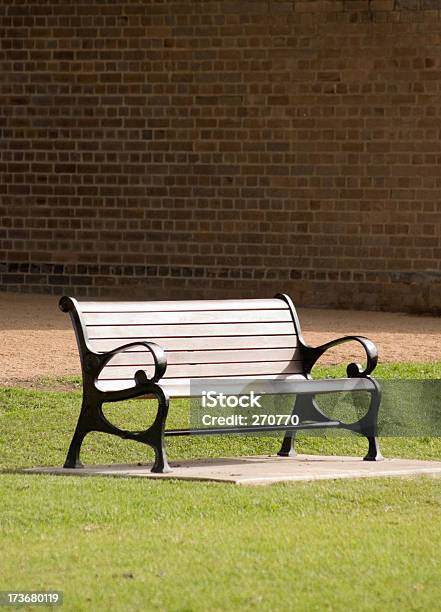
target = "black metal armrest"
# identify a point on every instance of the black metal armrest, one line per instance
(95, 362)
(354, 370)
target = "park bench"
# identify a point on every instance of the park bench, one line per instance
(154, 349)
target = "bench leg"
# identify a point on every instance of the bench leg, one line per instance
(92, 419)
(154, 435)
(374, 453)
(81, 430)
(370, 427)
(288, 443)
(306, 408)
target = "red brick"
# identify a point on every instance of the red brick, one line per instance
(223, 149)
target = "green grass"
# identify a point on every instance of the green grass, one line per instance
(388, 371)
(141, 545)
(115, 544)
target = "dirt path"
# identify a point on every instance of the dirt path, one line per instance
(37, 339)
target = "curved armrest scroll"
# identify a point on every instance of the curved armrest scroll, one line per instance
(157, 352)
(354, 370)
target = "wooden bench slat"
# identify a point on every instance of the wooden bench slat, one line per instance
(186, 317)
(205, 343)
(177, 306)
(208, 369)
(191, 331)
(180, 387)
(279, 384)
(144, 357)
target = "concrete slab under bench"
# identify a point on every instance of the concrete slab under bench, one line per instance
(260, 470)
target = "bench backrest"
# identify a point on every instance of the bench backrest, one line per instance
(249, 338)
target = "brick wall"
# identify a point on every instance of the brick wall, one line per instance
(232, 148)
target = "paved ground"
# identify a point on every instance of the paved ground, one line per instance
(263, 470)
(37, 339)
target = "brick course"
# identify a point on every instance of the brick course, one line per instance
(223, 148)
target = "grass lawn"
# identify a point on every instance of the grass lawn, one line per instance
(115, 544)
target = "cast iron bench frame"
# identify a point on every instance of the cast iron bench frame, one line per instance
(92, 418)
